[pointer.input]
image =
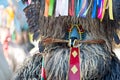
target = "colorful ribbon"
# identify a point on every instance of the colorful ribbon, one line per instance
(94, 9)
(104, 8)
(100, 8)
(83, 8)
(78, 4)
(46, 8)
(43, 75)
(61, 8)
(64, 8)
(51, 7)
(85, 13)
(71, 7)
(110, 9)
(57, 9)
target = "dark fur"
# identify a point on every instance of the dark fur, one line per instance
(98, 62)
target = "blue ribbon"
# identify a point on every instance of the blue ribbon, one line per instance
(83, 15)
(100, 6)
(94, 9)
(78, 6)
(83, 8)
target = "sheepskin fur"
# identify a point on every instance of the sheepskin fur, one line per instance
(98, 62)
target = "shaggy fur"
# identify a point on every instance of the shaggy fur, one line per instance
(98, 62)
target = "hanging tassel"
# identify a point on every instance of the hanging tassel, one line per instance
(51, 7)
(94, 9)
(46, 8)
(71, 8)
(110, 9)
(43, 74)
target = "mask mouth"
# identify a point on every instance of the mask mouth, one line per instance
(116, 10)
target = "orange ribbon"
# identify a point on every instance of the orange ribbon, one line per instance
(46, 8)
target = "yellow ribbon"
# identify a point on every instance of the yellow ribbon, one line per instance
(110, 9)
(104, 8)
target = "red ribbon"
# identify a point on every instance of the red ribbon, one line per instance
(71, 8)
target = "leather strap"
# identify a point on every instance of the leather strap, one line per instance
(47, 41)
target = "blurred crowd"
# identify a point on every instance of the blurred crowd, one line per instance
(15, 40)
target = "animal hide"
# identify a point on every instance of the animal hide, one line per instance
(98, 62)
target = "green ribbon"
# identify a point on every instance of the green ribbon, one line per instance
(51, 7)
